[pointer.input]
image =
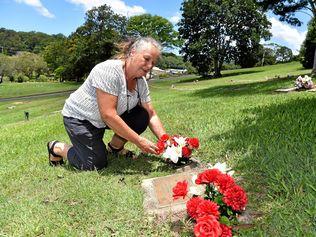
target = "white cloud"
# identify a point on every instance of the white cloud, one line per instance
(176, 18)
(38, 6)
(285, 33)
(118, 6)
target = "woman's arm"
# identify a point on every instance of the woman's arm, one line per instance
(155, 124)
(107, 107)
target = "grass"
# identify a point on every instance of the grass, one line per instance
(267, 137)
(8, 89)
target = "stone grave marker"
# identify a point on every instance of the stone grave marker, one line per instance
(286, 90)
(158, 200)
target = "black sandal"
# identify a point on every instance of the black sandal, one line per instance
(51, 152)
(121, 152)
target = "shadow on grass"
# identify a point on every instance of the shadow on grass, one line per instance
(278, 159)
(262, 87)
(143, 165)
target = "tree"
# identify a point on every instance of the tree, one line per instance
(94, 41)
(29, 64)
(13, 42)
(56, 54)
(211, 30)
(155, 26)
(308, 48)
(286, 9)
(283, 54)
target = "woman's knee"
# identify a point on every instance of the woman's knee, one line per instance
(137, 119)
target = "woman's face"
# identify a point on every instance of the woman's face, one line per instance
(144, 60)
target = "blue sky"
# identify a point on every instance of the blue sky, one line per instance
(64, 16)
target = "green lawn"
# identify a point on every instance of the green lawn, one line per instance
(8, 89)
(267, 137)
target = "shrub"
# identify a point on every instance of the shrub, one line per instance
(42, 78)
(19, 78)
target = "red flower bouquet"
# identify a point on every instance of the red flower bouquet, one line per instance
(176, 147)
(215, 203)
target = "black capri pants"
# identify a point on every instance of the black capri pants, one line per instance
(89, 151)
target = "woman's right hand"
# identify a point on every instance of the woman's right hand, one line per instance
(147, 146)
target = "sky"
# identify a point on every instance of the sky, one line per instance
(65, 16)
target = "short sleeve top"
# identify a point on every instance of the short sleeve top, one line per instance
(109, 77)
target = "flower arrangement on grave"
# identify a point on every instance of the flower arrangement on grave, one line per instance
(215, 201)
(176, 148)
(304, 82)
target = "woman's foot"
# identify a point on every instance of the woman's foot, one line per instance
(53, 158)
(121, 152)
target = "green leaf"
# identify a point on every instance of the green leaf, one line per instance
(224, 220)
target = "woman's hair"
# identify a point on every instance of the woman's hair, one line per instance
(138, 44)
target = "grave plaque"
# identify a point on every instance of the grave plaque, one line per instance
(286, 90)
(158, 199)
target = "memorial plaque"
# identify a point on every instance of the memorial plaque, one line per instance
(158, 199)
(163, 188)
(286, 90)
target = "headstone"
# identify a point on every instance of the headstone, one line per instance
(286, 90)
(158, 199)
(159, 202)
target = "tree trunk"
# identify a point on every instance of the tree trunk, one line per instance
(1, 79)
(217, 69)
(314, 64)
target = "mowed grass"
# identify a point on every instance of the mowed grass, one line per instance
(8, 89)
(267, 137)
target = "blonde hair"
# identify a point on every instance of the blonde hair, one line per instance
(138, 44)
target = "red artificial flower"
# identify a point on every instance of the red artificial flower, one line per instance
(208, 176)
(207, 207)
(193, 142)
(161, 146)
(186, 152)
(226, 231)
(164, 137)
(180, 190)
(192, 205)
(207, 226)
(236, 198)
(224, 181)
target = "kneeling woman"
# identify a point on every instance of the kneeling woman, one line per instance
(114, 96)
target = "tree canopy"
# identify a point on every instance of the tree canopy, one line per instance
(286, 9)
(218, 31)
(155, 26)
(309, 46)
(12, 42)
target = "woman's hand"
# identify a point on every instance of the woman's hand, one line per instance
(147, 146)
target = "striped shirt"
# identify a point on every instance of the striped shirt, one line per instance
(109, 77)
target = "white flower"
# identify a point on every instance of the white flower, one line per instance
(194, 177)
(304, 82)
(222, 167)
(173, 153)
(197, 190)
(180, 140)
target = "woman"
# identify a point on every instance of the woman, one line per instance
(115, 96)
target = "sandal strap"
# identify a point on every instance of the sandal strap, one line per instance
(121, 151)
(51, 149)
(115, 150)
